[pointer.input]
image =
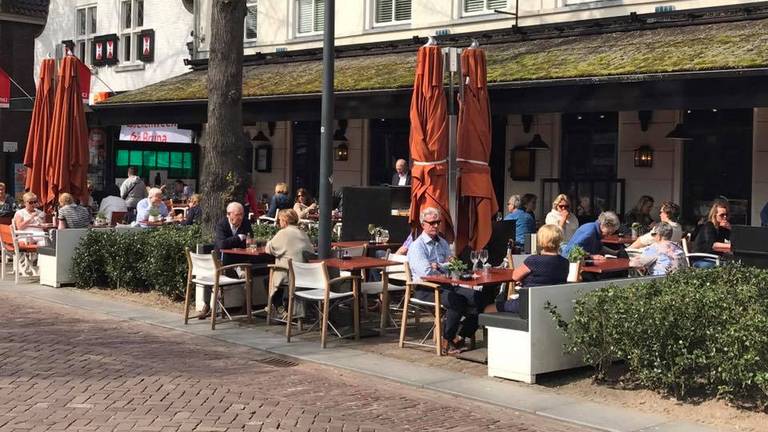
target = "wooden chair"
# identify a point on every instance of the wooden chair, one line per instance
(411, 304)
(206, 270)
(310, 282)
(688, 255)
(117, 218)
(393, 272)
(21, 253)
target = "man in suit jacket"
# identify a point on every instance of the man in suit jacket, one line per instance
(402, 176)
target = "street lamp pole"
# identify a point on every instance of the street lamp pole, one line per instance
(326, 135)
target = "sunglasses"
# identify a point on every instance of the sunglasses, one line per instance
(723, 215)
(32, 202)
(563, 206)
(433, 223)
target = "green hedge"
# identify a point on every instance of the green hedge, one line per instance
(696, 333)
(150, 259)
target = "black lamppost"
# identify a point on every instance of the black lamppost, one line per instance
(326, 134)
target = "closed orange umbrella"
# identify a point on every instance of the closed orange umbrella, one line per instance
(477, 203)
(429, 139)
(67, 155)
(39, 130)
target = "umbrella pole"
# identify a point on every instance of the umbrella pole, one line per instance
(454, 66)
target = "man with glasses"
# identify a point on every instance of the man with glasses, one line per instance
(429, 255)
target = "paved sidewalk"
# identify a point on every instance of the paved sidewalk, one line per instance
(512, 395)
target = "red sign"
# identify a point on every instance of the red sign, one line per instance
(84, 81)
(5, 90)
(99, 50)
(110, 50)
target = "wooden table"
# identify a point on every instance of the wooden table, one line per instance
(371, 246)
(609, 265)
(494, 276)
(616, 240)
(254, 252)
(358, 264)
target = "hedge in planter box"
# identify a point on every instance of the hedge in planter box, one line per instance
(695, 332)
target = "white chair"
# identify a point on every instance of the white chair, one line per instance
(22, 254)
(688, 255)
(416, 306)
(262, 220)
(310, 282)
(206, 270)
(393, 272)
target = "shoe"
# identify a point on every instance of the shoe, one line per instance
(448, 348)
(205, 313)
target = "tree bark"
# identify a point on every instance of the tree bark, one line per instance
(223, 173)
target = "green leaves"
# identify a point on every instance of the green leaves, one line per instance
(693, 333)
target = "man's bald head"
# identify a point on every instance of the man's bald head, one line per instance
(401, 166)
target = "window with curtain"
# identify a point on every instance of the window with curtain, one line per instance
(251, 21)
(392, 11)
(483, 6)
(310, 16)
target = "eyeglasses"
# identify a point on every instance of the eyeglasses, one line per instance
(722, 215)
(32, 202)
(433, 223)
(563, 206)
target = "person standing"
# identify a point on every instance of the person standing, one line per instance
(402, 176)
(132, 191)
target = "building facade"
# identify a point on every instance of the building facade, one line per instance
(598, 81)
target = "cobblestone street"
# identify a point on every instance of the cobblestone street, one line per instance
(64, 369)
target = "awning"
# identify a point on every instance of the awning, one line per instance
(724, 49)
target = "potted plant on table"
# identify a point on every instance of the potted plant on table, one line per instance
(154, 215)
(576, 257)
(100, 219)
(456, 267)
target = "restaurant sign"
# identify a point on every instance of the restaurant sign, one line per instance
(161, 132)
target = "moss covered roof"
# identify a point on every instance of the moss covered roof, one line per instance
(735, 45)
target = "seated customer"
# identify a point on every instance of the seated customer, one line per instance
(72, 215)
(280, 200)
(547, 268)
(589, 236)
(661, 257)
(30, 219)
(290, 242)
(194, 212)
(712, 237)
(6, 203)
(153, 201)
(112, 202)
(305, 205)
(518, 212)
(668, 212)
(428, 255)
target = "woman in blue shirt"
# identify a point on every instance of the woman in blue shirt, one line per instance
(521, 211)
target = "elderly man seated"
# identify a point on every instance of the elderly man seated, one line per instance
(589, 236)
(429, 255)
(663, 256)
(153, 201)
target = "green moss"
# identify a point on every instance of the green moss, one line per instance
(738, 45)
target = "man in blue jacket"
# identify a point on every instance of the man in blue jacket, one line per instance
(589, 236)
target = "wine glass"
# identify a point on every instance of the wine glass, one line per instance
(474, 256)
(371, 230)
(384, 236)
(484, 258)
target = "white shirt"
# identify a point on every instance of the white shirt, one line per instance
(402, 180)
(571, 225)
(112, 204)
(677, 234)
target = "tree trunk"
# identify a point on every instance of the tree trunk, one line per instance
(223, 173)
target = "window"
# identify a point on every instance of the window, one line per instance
(392, 11)
(179, 164)
(251, 21)
(131, 23)
(86, 29)
(310, 16)
(483, 6)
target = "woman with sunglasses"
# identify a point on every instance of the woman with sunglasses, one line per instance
(305, 205)
(30, 218)
(561, 216)
(713, 236)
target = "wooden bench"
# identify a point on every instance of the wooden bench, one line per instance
(523, 345)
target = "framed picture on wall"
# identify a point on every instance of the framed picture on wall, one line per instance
(263, 158)
(522, 164)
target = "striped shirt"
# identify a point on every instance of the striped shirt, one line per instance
(75, 216)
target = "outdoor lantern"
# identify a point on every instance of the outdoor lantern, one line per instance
(680, 132)
(340, 146)
(537, 143)
(262, 153)
(644, 156)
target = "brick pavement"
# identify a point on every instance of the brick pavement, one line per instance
(65, 369)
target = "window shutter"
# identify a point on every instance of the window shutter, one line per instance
(250, 22)
(383, 11)
(305, 15)
(402, 10)
(319, 15)
(474, 5)
(497, 4)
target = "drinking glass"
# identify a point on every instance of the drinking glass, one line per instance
(474, 256)
(384, 236)
(484, 258)
(371, 230)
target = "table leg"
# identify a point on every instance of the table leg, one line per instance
(384, 303)
(356, 306)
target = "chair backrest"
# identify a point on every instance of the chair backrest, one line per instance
(631, 253)
(519, 259)
(501, 233)
(201, 264)
(266, 220)
(355, 251)
(399, 268)
(684, 244)
(6, 237)
(308, 275)
(117, 217)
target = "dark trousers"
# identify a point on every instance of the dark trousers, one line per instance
(130, 216)
(459, 302)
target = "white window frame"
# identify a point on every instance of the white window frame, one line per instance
(297, 27)
(393, 21)
(91, 17)
(485, 11)
(251, 4)
(132, 31)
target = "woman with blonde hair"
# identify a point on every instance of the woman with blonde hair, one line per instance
(194, 212)
(561, 216)
(641, 213)
(30, 219)
(546, 268)
(290, 242)
(713, 236)
(280, 200)
(72, 215)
